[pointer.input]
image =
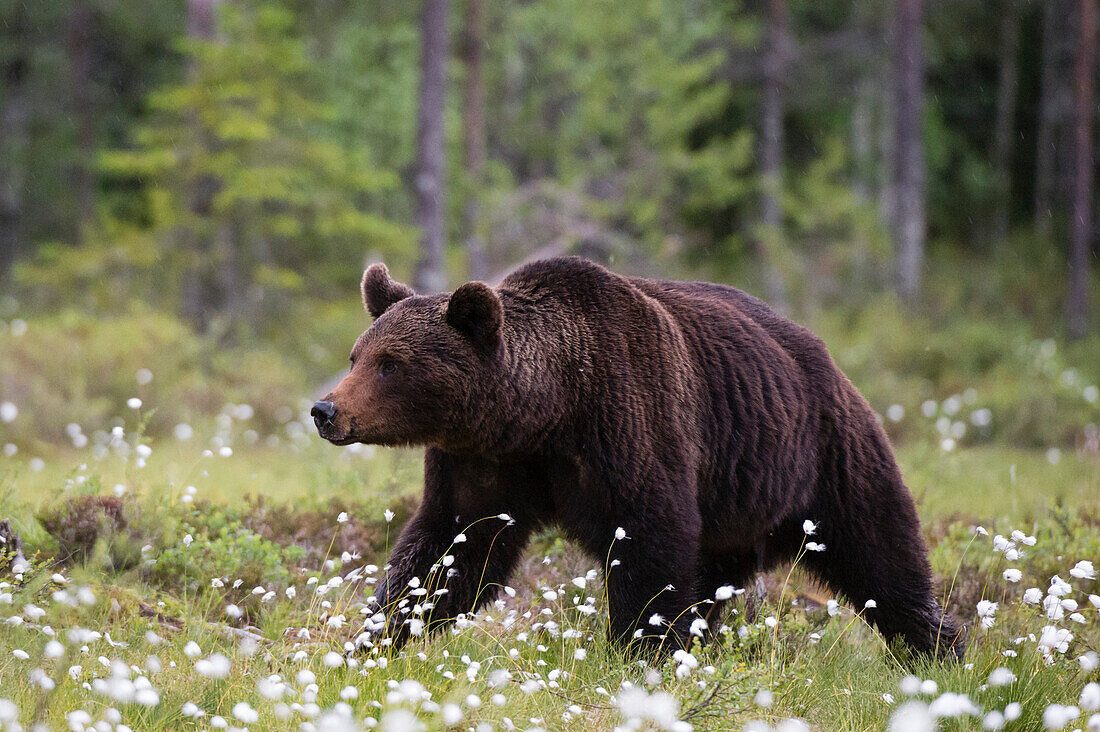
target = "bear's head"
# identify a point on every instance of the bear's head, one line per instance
(420, 368)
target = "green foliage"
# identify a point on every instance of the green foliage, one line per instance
(610, 100)
(223, 548)
(90, 527)
(78, 367)
(243, 173)
(832, 671)
(1037, 391)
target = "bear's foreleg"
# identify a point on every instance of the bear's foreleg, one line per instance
(652, 573)
(451, 558)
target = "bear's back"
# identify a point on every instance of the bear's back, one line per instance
(720, 322)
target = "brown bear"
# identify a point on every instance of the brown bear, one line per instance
(680, 432)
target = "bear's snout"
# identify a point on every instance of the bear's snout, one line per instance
(323, 414)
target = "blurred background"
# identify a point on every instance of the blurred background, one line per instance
(189, 190)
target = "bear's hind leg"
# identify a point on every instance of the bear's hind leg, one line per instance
(875, 556)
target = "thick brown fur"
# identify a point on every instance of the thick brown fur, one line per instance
(689, 414)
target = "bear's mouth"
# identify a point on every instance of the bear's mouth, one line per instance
(342, 437)
(329, 432)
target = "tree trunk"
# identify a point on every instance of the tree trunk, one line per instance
(13, 148)
(473, 124)
(199, 290)
(428, 181)
(81, 19)
(909, 221)
(776, 52)
(863, 142)
(1084, 83)
(1003, 123)
(887, 122)
(1055, 109)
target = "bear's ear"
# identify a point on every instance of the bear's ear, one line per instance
(476, 311)
(380, 291)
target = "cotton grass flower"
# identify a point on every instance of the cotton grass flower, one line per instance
(1083, 570)
(638, 707)
(950, 704)
(215, 666)
(1057, 716)
(244, 712)
(1090, 697)
(986, 611)
(725, 592)
(698, 627)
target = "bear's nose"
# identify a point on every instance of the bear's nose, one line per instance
(323, 412)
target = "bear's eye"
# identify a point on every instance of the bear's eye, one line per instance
(387, 367)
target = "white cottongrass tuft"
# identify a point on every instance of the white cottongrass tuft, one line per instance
(950, 704)
(638, 707)
(1083, 570)
(244, 712)
(698, 627)
(215, 666)
(986, 611)
(1090, 697)
(912, 716)
(1057, 716)
(725, 592)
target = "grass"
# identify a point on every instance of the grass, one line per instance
(832, 672)
(990, 427)
(981, 481)
(993, 481)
